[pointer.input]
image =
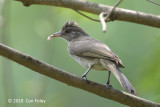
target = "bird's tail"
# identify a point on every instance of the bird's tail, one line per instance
(123, 81)
(120, 77)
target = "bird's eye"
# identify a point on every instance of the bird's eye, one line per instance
(67, 31)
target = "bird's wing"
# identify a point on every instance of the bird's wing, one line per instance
(95, 49)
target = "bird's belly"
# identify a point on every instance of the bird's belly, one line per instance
(87, 62)
(98, 67)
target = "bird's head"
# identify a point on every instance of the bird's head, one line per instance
(70, 31)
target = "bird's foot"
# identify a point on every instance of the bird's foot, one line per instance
(84, 77)
(108, 86)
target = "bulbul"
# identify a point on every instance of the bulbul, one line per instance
(92, 53)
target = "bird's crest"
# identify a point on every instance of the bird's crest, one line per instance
(70, 24)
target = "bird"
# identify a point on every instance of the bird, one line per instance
(92, 54)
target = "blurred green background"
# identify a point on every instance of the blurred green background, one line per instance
(26, 29)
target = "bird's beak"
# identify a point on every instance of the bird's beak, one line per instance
(57, 34)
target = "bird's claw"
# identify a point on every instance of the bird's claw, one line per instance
(108, 86)
(84, 77)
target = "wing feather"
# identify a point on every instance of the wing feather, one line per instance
(96, 49)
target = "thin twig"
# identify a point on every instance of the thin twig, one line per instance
(103, 20)
(93, 19)
(109, 14)
(79, 12)
(154, 2)
(86, 16)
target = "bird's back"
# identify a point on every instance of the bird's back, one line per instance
(90, 47)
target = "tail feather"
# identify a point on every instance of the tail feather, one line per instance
(124, 81)
(119, 75)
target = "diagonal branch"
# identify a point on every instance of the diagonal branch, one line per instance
(72, 80)
(154, 2)
(118, 14)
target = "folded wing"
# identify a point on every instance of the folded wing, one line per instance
(97, 50)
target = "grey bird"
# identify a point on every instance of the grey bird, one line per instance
(92, 53)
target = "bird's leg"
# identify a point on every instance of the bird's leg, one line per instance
(84, 75)
(108, 81)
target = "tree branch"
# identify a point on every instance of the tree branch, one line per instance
(118, 14)
(72, 80)
(154, 2)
